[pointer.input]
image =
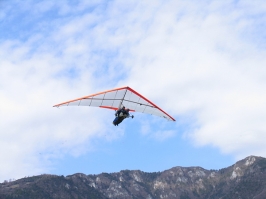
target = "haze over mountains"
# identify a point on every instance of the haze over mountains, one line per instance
(244, 179)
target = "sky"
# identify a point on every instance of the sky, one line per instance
(203, 62)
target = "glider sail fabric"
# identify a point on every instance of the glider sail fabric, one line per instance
(116, 98)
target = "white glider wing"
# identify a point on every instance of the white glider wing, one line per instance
(115, 98)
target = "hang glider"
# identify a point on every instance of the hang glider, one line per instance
(116, 98)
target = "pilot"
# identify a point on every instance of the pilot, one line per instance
(119, 111)
(121, 114)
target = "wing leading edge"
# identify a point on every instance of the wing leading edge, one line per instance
(115, 98)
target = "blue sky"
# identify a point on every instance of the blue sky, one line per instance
(202, 62)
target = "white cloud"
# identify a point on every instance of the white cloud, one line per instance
(201, 65)
(193, 59)
(36, 74)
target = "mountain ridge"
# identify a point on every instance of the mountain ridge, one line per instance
(244, 179)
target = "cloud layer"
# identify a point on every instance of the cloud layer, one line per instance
(204, 62)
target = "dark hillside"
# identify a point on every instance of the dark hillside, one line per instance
(245, 179)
